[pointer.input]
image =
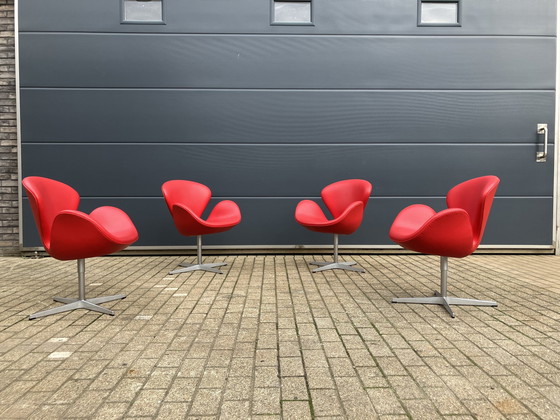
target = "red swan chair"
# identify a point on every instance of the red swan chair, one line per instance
(454, 232)
(186, 201)
(68, 234)
(346, 200)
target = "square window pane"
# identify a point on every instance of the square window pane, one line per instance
(445, 13)
(292, 11)
(143, 10)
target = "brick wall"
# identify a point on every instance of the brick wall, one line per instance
(9, 243)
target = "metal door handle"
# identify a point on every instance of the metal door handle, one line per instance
(543, 129)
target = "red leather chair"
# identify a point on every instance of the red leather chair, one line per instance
(186, 201)
(69, 234)
(346, 200)
(454, 232)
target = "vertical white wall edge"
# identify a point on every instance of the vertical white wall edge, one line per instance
(556, 201)
(18, 122)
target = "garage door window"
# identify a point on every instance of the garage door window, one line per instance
(142, 11)
(439, 13)
(293, 12)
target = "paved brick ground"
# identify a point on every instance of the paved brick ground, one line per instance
(268, 340)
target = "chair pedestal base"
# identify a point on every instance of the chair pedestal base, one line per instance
(333, 265)
(81, 302)
(445, 301)
(71, 304)
(441, 298)
(198, 266)
(336, 264)
(194, 267)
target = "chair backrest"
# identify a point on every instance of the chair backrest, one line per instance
(475, 196)
(339, 195)
(188, 193)
(48, 198)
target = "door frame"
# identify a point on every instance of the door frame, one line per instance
(555, 225)
(556, 189)
(18, 124)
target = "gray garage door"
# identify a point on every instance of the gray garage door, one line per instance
(268, 101)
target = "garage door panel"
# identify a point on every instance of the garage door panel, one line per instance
(286, 170)
(330, 16)
(264, 116)
(273, 62)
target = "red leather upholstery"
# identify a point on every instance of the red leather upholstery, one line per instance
(454, 232)
(187, 200)
(69, 234)
(346, 201)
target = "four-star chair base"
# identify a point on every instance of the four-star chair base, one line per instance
(441, 298)
(71, 304)
(445, 301)
(195, 267)
(336, 264)
(81, 302)
(332, 265)
(199, 266)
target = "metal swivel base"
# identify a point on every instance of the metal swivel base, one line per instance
(81, 302)
(441, 298)
(71, 304)
(336, 264)
(445, 301)
(339, 265)
(194, 267)
(198, 265)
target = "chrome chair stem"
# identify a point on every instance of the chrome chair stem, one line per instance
(199, 266)
(336, 264)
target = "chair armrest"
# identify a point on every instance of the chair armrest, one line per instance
(309, 213)
(224, 214)
(409, 220)
(350, 219)
(186, 221)
(116, 224)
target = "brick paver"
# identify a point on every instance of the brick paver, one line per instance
(270, 340)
